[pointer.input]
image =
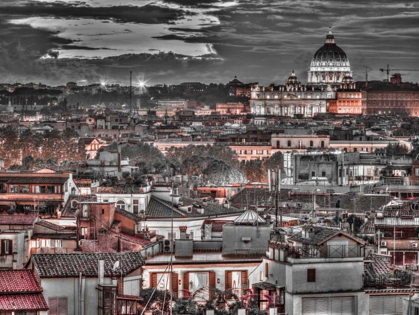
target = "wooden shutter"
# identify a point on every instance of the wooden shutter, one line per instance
(53, 305)
(3, 244)
(175, 284)
(244, 279)
(10, 247)
(186, 281)
(212, 283)
(266, 270)
(62, 306)
(228, 280)
(153, 280)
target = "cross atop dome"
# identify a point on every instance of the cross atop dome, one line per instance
(330, 30)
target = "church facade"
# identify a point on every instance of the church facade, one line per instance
(329, 71)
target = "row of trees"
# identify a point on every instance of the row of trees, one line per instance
(30, 149)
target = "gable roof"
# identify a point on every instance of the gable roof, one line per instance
(70, 265)
(127, 214)
(158, 208)
(321, 235)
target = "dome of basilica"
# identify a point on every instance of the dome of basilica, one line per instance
(329, 64)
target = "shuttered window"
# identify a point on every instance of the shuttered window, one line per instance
(57, 306)
(132, 287)
(341, 305)
(389, 304)
(175, 284)
(6, 247)
(212, 283)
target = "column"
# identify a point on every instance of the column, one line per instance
(404, 258)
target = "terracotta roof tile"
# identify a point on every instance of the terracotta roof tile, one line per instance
(70, 265)
(23, 302)
(18, 281)
(17, 219)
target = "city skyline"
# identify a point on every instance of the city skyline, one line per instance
(174, 41)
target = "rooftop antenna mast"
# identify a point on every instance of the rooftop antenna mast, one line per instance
(367, 69)
(130, 92)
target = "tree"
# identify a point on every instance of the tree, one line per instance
(396, 149)
(69, 133)
(220, 173)
(28, 162)
(253, 170)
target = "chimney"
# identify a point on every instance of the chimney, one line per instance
(101, 271)
(183, 232)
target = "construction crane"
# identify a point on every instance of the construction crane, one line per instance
(388, 69)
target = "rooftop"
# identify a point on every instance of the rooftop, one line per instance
(70, 265)
(18, 281)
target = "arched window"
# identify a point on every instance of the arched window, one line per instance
(289, 143)
(322, 144)
(311, 143)
(120, 204)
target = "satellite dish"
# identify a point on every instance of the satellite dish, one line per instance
(115, 265)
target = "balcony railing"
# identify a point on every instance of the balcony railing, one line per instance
(328, 251)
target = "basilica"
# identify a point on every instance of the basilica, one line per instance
(329, 71)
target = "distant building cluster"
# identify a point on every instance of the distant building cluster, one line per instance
(211, 199)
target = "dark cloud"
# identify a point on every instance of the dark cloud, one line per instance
(148, 14)
(258, 40)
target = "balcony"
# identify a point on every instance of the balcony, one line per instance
(326, 251)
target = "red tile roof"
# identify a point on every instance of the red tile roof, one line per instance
(70, 265)
(23, 302)
(18, 281)
(17, 219)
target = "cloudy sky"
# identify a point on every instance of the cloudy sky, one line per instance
(173, 41)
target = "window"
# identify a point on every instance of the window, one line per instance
(103, 211)
(57, 306)
(14, 188)
(323, 174)
(120, 204)
(24, 189)
(266, 270)
(6, 247)
(135, 206)
(311, 275)
(289, 143)
(313, 174)
(322, 144)
(311, 143)
(277, 144)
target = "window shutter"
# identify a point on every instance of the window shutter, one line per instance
(266, 270)
(175, 284)
(228, 280)
(212, 283)
(53, 306)
(186, 281)
(153, 280)
(62, 306)
(3, 244)
(244, 279)
(10, 247)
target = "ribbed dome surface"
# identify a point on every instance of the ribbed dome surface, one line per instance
(331, 54)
